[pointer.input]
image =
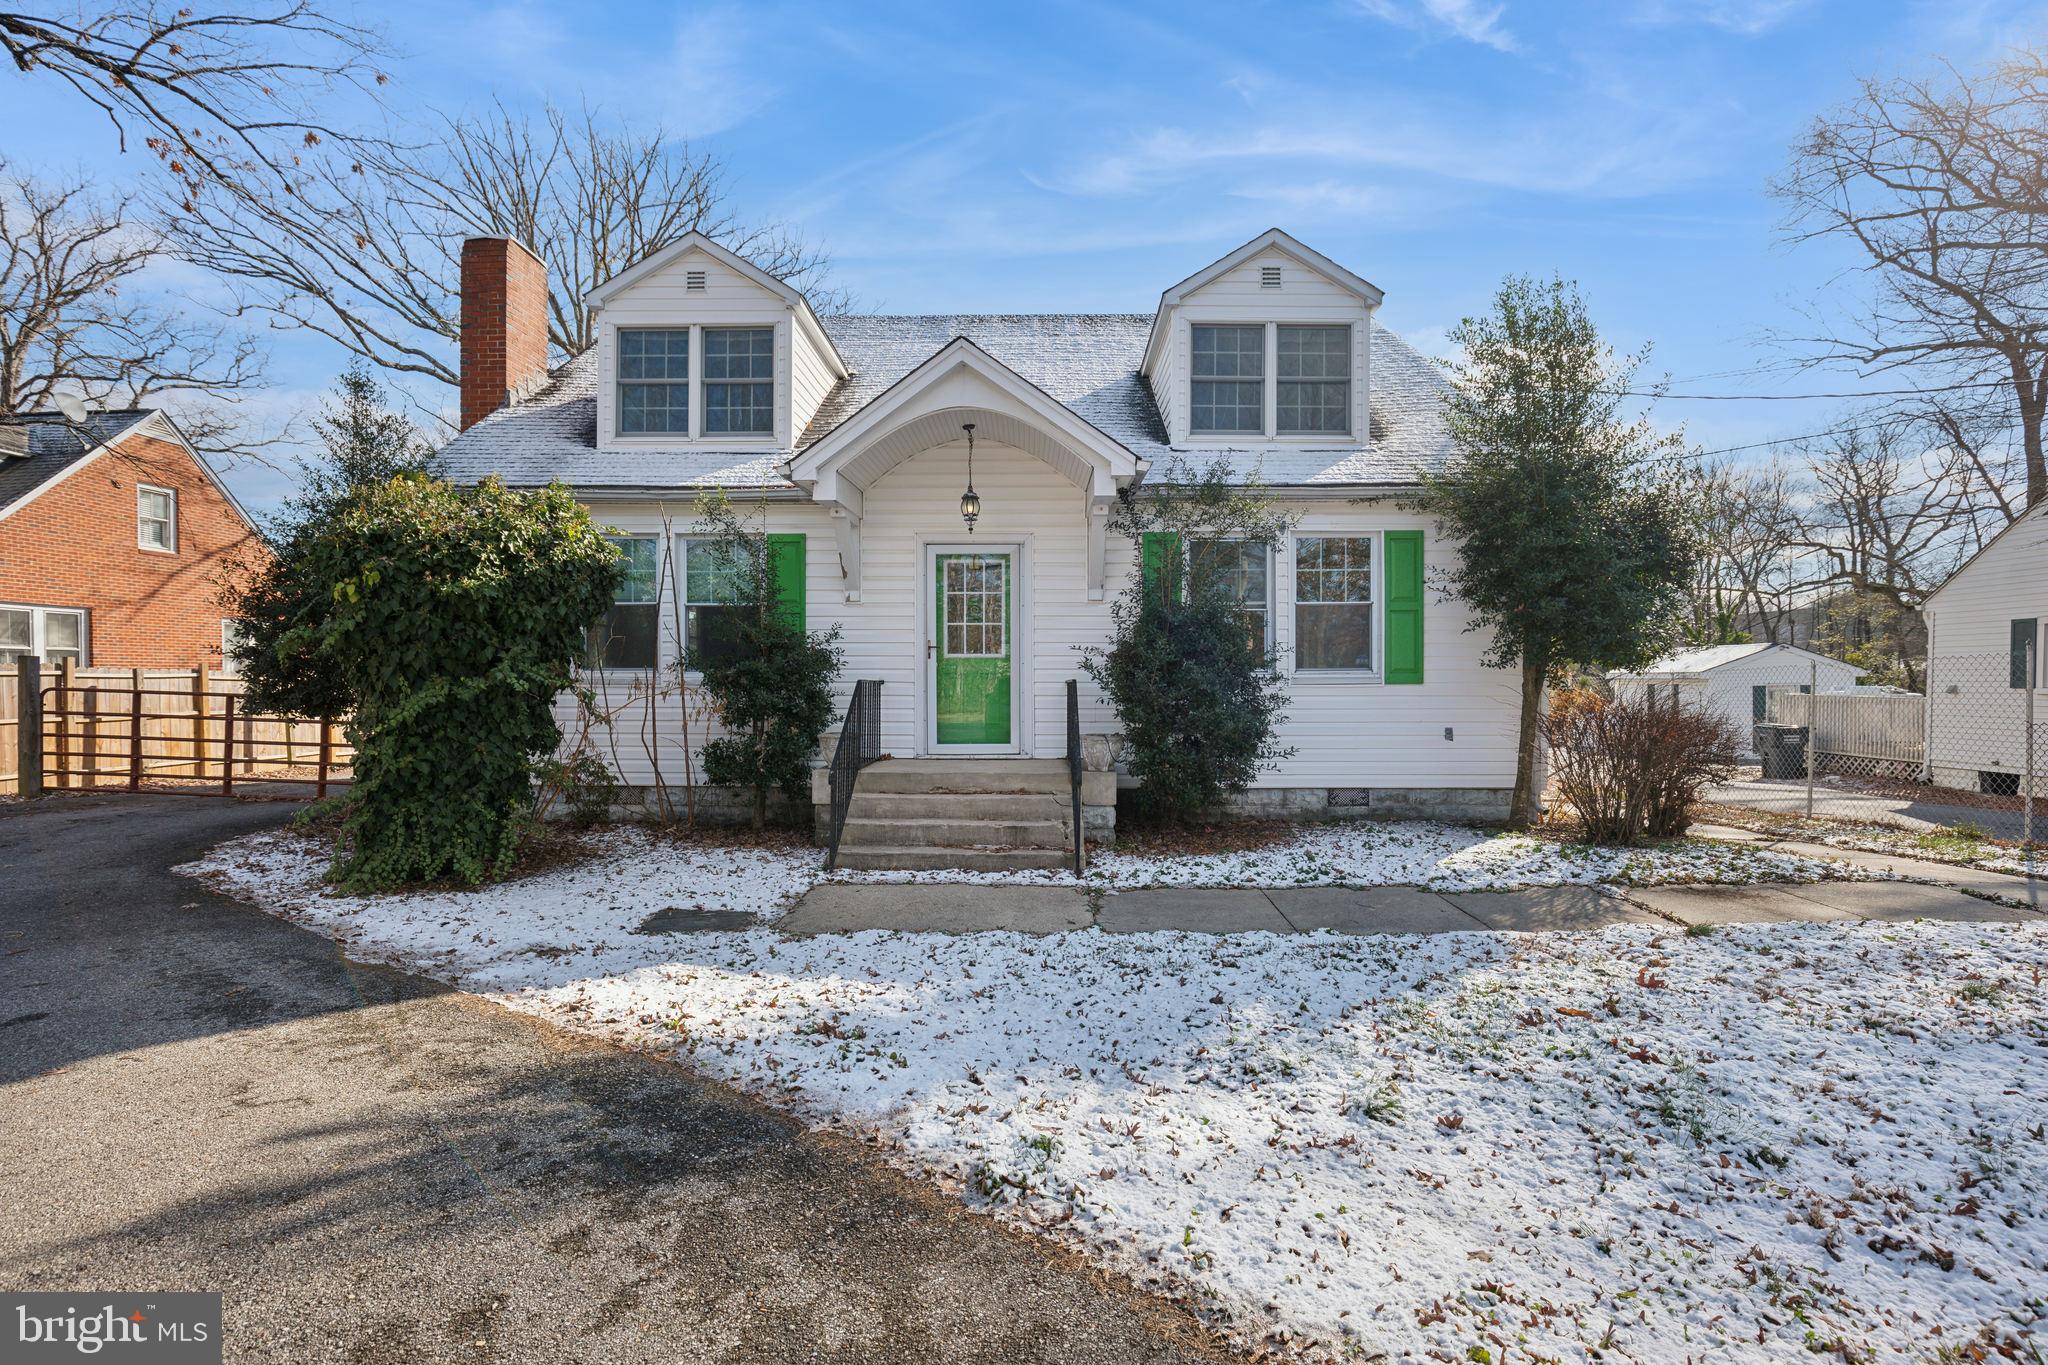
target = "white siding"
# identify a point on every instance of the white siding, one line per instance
(1730, 689)
(1976, 717)
(728, 299)
(811, 380)
(1346, 732)
(1236, 296)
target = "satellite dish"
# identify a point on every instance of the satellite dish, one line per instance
(73, 410)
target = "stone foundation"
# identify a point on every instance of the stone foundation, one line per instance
(1480, 804)
(717, 807)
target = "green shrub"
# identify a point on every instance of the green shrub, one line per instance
(769, 678)
(452, 618)
(1187, 668)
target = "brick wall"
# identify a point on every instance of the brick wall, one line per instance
(504, 324)
(74, 545)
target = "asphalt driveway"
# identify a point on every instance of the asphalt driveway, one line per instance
(372, 1168)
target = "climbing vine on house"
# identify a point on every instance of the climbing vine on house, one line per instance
(769, 677)
(1189, 668)
(452, 618)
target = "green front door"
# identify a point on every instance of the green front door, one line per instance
(971, 677)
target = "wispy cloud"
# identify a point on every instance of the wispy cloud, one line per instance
(1745, 17)
(1472, 20)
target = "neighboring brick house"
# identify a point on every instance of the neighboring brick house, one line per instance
(114, 536)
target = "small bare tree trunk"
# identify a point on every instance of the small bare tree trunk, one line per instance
(1524, 806)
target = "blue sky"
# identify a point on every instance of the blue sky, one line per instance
(1082, 156)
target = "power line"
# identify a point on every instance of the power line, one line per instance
(1796, 397)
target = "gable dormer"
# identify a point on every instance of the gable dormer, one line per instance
(1269, 346)
(700, 348)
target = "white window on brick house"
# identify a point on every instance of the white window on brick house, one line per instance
(156, 518)
(54, 634)
(232, 634)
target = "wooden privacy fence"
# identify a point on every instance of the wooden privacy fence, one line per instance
(157, 729)
(1872, 725)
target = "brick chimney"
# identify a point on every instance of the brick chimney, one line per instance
(504, 325)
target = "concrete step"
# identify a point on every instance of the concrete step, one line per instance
(965, 859)
(954, 834)
(966, 776)
(868, 805)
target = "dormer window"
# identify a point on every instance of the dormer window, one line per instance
(1269, 379)
(654, 381)
(739, 379)
(1315, 381)
(1229, 381)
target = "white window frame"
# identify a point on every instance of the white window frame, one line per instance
(705, 380)
(1265, 381)
(696, 435)
(39, 634)
(170, 523)
(1272, 558)
(660, 627)
(228, 627)
(1269, 430)
(1376, 539)
(1350, 379)
(679, 561)
(688, 384)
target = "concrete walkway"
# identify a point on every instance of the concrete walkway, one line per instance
(959, 908)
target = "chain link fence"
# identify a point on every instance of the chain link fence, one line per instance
(1966, 756)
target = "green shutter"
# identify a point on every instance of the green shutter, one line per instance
(1404, 606)
(1159, 553)
(786, 562)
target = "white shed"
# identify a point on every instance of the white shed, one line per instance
(1735, 679)
(1982, 625)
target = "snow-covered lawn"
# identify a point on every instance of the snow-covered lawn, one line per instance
(1961, 847)
(1467, 1147)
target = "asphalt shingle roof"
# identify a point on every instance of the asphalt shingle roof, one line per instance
(53, 447)
(1088, 361)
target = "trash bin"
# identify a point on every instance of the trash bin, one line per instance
(1782, 749)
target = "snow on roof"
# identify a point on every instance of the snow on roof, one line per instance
(1690, 661)
(1088, 361)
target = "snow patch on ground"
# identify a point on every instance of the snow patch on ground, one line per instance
(1735, 1147)
(1419, 853)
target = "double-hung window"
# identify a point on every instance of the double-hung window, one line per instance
(739, 379)
(1314, 395)
(53, 634)
(1333, 603)
(710, 595)
(1228, 392)
(156, 518)
(654, 381)
(628, 635)
(1240, 568)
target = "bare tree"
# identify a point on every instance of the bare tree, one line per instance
(1894, 510)
(365, 250)
(76, 318)
(214, 93)
(1750, 571)
(1940, 185)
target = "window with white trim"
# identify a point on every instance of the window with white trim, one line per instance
(232, 633)
(628, 635)
(156, 518)
(1314, 381)
(739, 380)
(654, 381)
(1333, 608)
(710, 595)
(53, 634)
(1243, 569)
(1227, 388)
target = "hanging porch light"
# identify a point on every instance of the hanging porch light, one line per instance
(970, 501)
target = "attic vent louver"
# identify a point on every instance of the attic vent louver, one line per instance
(1269, 277)
(693, 280)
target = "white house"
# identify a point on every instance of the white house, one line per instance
(1986, 627)
(1735, 680)
(852, 434)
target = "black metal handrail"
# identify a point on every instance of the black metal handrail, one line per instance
(860, 743)
(1074, 773)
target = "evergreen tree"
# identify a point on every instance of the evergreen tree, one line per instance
(1576, 545)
